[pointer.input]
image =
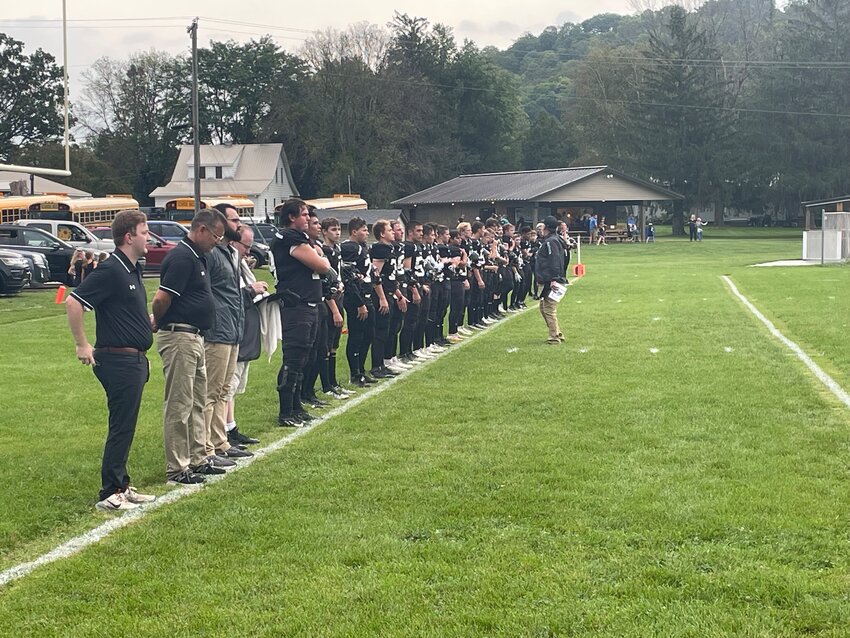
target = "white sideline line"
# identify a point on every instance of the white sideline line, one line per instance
(79, 543)
(822, 376)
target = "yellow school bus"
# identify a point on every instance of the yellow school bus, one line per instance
(88, 211)
(14, 208)
(339, 202)
(182, 209)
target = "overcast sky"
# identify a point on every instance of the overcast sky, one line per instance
(492, 22)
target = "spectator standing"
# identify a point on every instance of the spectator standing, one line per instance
(89, 264)
(117, 295)
(592, 228)
(692, 228)
(183, 308)
(75, 270)
(250, 342)
(221, 339)
(550, 268)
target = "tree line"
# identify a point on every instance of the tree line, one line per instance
(738, 105)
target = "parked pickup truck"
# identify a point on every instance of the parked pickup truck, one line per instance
(75, 234)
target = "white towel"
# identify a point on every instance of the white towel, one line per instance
(271, 330)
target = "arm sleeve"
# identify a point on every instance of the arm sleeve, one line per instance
(96, 288)
(381, 251)
(174, 280)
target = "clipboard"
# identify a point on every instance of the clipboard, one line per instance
(556, 291)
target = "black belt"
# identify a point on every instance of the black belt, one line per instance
(121, 350)
(173, 327)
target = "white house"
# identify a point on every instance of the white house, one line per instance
(257, 171)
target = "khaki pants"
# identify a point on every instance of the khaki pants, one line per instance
(549, 310)
(185, 392)
(221, 362)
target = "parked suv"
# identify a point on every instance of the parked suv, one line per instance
(14, 272)
(168, 230)
(75, 234)
(39, 268)
(57, 252)
(263, 235)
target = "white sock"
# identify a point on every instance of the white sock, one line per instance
(230, 426)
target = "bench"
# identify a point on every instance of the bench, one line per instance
(618, 234)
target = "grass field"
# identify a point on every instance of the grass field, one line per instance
(671, 471)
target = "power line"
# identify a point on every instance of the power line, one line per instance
(596, 99)
(565, 55)
(70, 21)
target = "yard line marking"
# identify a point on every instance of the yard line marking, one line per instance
(822, 376)
(79, 543)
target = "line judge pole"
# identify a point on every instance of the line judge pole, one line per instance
(193, 30)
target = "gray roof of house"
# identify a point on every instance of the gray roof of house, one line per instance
(514, 186)
(42, 184)
(255, 171)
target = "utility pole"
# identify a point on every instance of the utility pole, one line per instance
(65, 83)
(193, 31)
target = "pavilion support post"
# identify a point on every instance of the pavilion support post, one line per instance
(642, 222)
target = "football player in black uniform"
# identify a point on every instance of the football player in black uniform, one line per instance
(331, 231)
(298, 267)
(318, 356)
(397, 316)
(459, 284)
(387, 292)
(418, 296)
(444, 282)
(434, 277)
(357, 300)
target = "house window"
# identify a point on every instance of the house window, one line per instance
(218, 172)
(202, 172)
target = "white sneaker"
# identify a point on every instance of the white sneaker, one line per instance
(136, 497)
(115, 503)
(435, 348)
(394, 369)
(395, 361)
(464, 331)
(423, 355)
(488, 321)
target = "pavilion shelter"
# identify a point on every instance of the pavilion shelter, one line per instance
(571, 194)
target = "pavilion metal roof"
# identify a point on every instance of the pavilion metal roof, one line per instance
(515, 186)
(825, 202)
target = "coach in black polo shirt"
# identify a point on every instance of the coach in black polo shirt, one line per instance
(115, 292)
(182, 309)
